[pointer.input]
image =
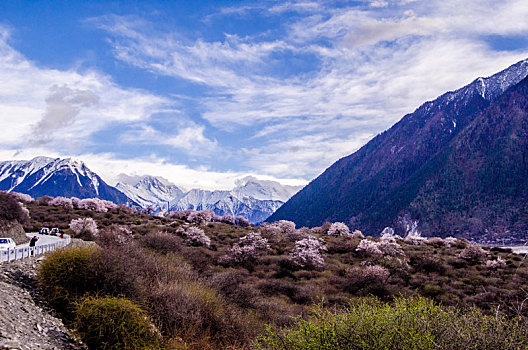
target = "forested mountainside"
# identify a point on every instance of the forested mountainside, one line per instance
(456, 166)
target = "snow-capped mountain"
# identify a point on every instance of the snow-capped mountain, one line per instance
(56, 177)
(148, 191)
(254, 199)
(457, 164)
(251, 187)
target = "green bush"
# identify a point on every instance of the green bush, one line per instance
(432, 290)
(414, 323)
(114, 323)
(65, 276)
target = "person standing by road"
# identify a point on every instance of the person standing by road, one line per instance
(32, 243)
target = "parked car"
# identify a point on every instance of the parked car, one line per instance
(7, 243)
(55, 231)
(44, 231)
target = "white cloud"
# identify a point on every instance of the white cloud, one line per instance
(299, 6)
(189, 137)
(379, 4)
(375, 64)
(372, 64)
(37, 104)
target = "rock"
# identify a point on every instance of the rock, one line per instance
(13, 229)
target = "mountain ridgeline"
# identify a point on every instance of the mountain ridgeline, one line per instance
(456, 166)
(56, 177)
(252, 198)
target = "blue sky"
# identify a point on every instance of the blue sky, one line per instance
(205, 92)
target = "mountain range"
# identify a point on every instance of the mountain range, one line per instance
(252, 198)
(455, 166)
(148, 191)
(56, 177)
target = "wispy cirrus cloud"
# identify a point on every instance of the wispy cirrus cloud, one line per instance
(370, 64)
(286, 100)
(188, 137)
(61, 113)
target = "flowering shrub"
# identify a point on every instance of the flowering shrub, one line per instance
(380, 249)
(297, 235)
(95, 204)
(84, 227)
(392, 249)
(115, 235)
(286, 226)
(369, 248)
(44, 200)
(11, 209)
(435, 241)
(24, 210)
(76, 202)
(357, 234)
(390, 237)
(196, 237)
(338, 229)
(180, 215)
(371, 278)
(473, 253)
(375, 273)
(321, 230)
(226, 219)
(200, 217)
(22, 197)
(414, 240)
(308, 253)
(450, 241)
(109, 204)
(62, 202)
(495, 264)
(242, 221)
(247, 249)
(270, 230)
(278, 227)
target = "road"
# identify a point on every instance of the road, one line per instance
(43, 239)
(44, 244)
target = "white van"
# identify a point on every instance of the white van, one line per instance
(7, 243)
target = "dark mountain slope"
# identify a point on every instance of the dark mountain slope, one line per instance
(478, 186)
(390, 176)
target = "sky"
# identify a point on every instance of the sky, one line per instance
(206, 92)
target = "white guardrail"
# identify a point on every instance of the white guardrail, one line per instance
(25, 252)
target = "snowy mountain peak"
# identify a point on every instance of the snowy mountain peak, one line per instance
(252, 198)
(66, 177)
(148, 191)
(488, 88)
(493, 86)
(243, 181)
(252, 187)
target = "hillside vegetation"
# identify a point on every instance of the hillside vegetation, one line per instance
(205, 282)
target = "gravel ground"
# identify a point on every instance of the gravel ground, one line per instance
(26, 322)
